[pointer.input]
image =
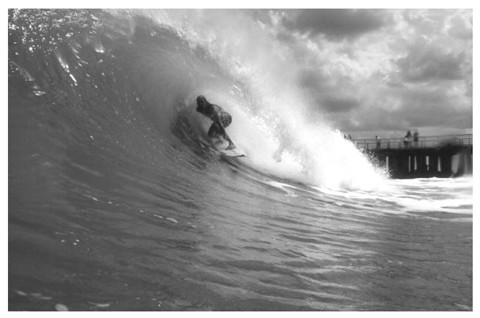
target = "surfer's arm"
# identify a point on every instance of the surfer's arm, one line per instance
(231, 144)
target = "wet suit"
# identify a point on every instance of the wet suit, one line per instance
(220, 118)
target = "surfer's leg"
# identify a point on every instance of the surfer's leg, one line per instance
(214, 131)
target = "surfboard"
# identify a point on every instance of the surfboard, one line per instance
(235, 152)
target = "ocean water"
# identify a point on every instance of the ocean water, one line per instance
(118, 202)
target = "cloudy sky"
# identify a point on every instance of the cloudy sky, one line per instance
(382, 71)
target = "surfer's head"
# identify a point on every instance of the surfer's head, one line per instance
(203, 106)
(201, 103)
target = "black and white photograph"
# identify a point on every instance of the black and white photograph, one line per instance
(206, 159)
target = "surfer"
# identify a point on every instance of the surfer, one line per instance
(220, 118)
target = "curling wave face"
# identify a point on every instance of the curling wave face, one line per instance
(123, 72)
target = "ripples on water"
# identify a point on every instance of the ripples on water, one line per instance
(242, 243)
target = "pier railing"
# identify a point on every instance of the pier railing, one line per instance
(423, 142)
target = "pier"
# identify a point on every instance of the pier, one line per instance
(430, 156)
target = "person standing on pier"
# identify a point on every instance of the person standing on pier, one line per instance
(415, 138)
(407, 141)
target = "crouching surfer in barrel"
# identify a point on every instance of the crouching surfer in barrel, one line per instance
(220, 118)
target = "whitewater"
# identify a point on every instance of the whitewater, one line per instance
(117, 201)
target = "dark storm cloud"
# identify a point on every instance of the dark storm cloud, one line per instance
(460, 28)
(417, 107)
(381, 70)
(325, 93)
(424, 64)
(287, 38)
(340, 104)
(337, 24)
(311, 79)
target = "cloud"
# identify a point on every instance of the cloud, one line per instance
(325, 93)
(433, 107)
(460, 26)
(398, 109)
(430, 63)
(311, 79)
(382, 70)
(339, 104)
(337, 24)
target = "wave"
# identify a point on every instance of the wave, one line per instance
(118, 202)
(126, 81)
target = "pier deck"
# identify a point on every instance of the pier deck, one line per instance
(432, 156)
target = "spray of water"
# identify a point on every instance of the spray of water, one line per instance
(272, 119)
